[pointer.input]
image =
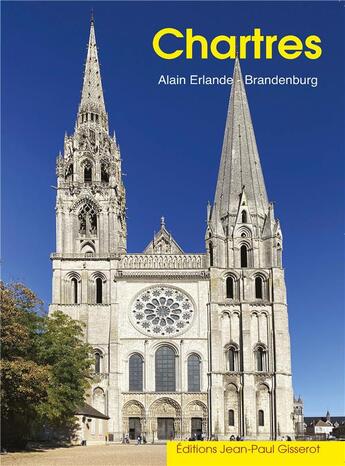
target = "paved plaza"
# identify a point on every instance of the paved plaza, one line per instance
(105, 455)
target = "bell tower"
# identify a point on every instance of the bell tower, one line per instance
(90, 202)
(91, 233)
(250, 388)
(90, 205)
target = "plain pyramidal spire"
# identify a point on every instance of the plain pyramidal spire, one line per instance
(92, 99)
(240, 168)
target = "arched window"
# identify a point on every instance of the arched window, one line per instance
(231, 416)
(193, 366)
(74, 283)
(104, 173)
(99, 290)
(211, 254)
(165, 369)
(244, 256)
(98, 357)
(258, 288)
(232, 359)
(261, 359)
(87, 220)
(244, 216)
(135, 373)
(88, 172)
(261, 417)
(230, 287)
(98, 402)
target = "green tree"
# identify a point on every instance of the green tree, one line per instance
(61, 348)
(45, 366)
(23, 380)
(21, 317)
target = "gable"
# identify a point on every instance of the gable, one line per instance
(163, 243)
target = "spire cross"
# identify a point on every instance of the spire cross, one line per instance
(162, 222)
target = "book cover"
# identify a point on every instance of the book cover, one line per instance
(172, 232)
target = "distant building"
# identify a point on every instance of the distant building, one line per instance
(319, 428)
(323, 427)
(298, 416)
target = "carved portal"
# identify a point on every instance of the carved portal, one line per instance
(133, 409)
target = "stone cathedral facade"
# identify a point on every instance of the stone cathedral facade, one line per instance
(185, 345)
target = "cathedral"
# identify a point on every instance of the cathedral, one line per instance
(185, 345)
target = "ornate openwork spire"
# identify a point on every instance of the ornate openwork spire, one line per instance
(92, 107)
(240, 167)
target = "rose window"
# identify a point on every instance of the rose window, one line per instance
(162, 311)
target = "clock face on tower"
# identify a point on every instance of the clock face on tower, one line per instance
(162, 311)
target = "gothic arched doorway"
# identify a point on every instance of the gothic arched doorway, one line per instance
(195, 420)
(165, 419)
(133, 419)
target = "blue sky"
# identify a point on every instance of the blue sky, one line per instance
(171, 140)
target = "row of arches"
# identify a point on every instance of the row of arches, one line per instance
(165, 367)
(233, 358)
(89, 116)
(164, 419)
(245, 255)
(88, 172)
(165, 371)
(260, 288)
(163, 404)
(234, 419)
(98, 287)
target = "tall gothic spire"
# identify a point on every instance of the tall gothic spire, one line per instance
(92, 100)
(240, 169)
